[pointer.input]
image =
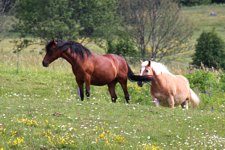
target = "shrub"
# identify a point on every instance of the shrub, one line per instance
(202, 80)
(209, 51)
(210, 86)
(122, 46)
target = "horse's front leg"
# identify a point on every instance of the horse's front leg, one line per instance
(155, 100)
(171, 101)
(81, 89)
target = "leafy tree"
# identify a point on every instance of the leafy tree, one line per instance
(218, 1)
(209, 50)
(6, 9)
(156, 25)
(66, 19)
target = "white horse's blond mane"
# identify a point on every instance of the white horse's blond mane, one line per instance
(157, 67)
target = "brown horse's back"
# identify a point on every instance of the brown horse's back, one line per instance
(121, 65)
(106, 68)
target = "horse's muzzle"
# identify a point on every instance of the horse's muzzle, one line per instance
(45, 64)
(140, 83)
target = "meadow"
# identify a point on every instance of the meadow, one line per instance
(41, 110)
(40, 107)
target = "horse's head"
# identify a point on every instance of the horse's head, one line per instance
(52, 53)
(145, 70)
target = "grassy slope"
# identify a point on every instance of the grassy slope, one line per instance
(56, 118)
(41, 106)
(199, 15)
(202, 21)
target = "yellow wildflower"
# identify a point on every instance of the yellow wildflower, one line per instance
(151, 147)
(13, 133)
(16, 142)
(120, 139)
(102, 135)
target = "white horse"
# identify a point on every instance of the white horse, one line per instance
(167, 89)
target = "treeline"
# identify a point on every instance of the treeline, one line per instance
(8, 4)
(200, 2)
(146, 28)
(150, 29)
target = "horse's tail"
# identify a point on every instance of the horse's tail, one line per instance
(194, 99)
(133, 77)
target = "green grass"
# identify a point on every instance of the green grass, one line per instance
(40, 109)
(199, 16)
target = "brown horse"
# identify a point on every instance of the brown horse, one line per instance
(92, 69)
(168, 89)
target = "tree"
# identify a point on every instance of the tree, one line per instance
(157, 25)
(66, 19)
(218, 1)
(210, 50)
(6, 7)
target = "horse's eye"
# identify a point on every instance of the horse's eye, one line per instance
(146, 70)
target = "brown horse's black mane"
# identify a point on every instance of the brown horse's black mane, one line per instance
(74, 47)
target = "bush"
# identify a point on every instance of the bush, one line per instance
(204, 81)
(122, 46)
(209, 51)
(210, 86)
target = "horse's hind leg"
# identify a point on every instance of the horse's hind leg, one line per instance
(185, 104)
(123, 83)
(111, 88)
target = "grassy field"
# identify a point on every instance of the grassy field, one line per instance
(40, 109)
(200, 16)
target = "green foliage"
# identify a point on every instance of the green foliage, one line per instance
(97, 18)
(46, 19)
(202, 80)
(195, 2)
(122, 46)
(65, 19)
(210, 50)
(210, 86)
(218, 1)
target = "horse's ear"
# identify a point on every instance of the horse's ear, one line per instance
(149, 63)
(54, 41)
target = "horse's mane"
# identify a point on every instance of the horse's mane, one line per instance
(158, 68)
(74, 47)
